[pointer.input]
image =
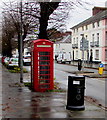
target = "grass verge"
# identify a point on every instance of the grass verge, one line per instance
(56, 87)
(17, 70)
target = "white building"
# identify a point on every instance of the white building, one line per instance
(94, 30)
(63, 46)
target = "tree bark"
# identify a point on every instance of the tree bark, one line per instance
(47, 9)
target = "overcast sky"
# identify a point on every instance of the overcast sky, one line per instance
(79, 14)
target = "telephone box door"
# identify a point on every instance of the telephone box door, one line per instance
(42, 65)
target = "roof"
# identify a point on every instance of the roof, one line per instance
(42, 40)
(66, 39)
(99, 16)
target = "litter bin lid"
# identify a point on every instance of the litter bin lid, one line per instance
(80, 77)
(76, 76)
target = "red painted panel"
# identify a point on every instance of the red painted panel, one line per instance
(42, 65)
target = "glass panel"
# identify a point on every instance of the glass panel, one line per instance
(44, 86)
(106, 54)
(44, 63)
(44, 72)
(44, 77)
(44, 81)
(44, 53)
(44, 58)
(44, 67)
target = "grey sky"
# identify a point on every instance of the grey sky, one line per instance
(80, 14)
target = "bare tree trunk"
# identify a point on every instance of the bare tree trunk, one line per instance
(43, 21)
(47, 9)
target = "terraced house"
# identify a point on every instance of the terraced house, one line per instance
(94, 30)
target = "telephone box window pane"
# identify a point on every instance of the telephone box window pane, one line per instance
(44, 58)
(44, 86)
(44, 77)
(44, 67)
(44, 53)
(44, 81)
(44, 72)
(44, 63)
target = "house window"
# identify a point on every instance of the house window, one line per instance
(74, 41)
(77, 39)
(77, 29)
(98, 24)
(93, 24)
(97, 36)
(97, 55)
(59, 45)
(93, 37)
(106, 38)
(74, 30)
(77, 54)
(105, 54)
(86, 37)
(105, 21)
(86, 27)
(82, 28)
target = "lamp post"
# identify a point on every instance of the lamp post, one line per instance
(21, 45)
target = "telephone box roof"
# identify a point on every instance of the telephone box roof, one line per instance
(42, 40)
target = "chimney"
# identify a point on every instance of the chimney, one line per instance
(106, 4)
(96, 10)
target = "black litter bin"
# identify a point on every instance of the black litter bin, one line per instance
(79, 64)
(75, 97)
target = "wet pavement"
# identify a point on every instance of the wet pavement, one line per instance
(19, 102)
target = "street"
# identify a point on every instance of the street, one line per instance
(95, 87)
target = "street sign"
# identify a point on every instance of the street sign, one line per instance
(101, 65)
(84, 44)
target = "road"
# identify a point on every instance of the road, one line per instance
(95, 88)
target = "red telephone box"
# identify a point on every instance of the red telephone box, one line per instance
(42, 65)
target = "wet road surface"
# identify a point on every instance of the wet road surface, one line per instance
(95, 87)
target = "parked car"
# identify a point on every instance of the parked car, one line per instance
(2, 59)
(13, 62)
(0, 56)
(26, 59)
(64, 57)
(6, 60)
(15, 56)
